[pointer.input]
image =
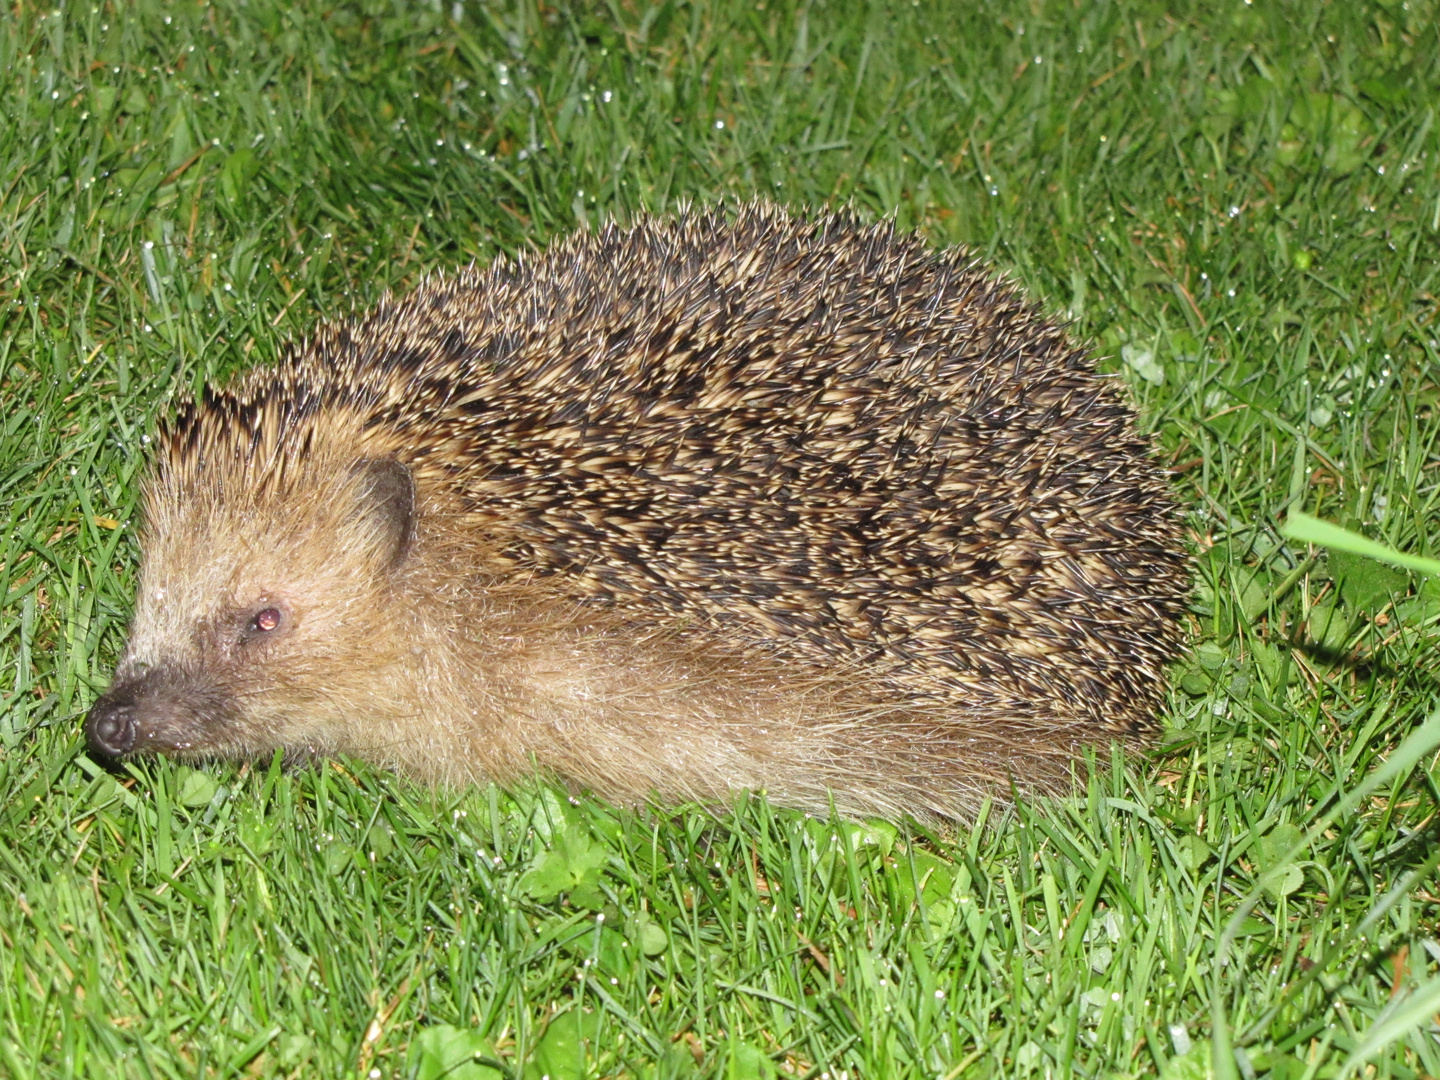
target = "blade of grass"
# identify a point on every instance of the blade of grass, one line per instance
(1309, 530)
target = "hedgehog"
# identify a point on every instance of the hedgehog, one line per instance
(731, 500)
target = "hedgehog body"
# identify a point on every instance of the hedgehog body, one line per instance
(726, 501)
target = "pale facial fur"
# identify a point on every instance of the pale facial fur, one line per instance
(256, 613)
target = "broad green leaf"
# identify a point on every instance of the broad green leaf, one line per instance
(561, 1052)
(197, 787)
(1365, 584)
(444, 1052)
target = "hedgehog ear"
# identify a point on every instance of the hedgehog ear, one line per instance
(384, 493)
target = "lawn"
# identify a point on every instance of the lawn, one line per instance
(1238, 204)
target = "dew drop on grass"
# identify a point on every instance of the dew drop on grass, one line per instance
(1180, 1039)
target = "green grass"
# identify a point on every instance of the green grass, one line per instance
(1239, 203)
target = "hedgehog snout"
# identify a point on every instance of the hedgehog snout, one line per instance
(110, 727)
(160, 711)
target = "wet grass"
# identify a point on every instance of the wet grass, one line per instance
(1239, 204)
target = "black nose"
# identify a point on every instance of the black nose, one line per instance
(110, 727)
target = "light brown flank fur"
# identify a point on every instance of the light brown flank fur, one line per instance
(732, 500)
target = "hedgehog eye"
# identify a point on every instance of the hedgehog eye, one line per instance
(266, 619)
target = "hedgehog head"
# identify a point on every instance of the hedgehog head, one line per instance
(243, 603)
